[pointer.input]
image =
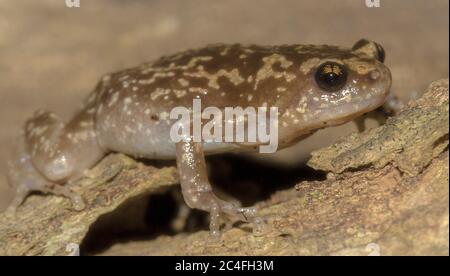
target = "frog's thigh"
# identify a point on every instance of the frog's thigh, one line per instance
(61, 151)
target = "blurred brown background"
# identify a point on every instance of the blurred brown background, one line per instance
(52, 56)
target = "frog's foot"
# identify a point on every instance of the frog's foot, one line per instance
(25, 179)
(29, 181)
(235, 214)
(21, 193)
(23, 176)
(393, 105)
(223, 211)
(77, 201)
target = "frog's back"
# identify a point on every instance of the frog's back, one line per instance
(133, 105)
(218, 74)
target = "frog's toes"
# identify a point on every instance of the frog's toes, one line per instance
(76, 199)
(232, 214)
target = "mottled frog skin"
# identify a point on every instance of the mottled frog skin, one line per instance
(128, 112)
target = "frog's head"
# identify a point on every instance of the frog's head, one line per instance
(338, 85)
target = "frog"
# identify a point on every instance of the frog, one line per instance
(128, 111)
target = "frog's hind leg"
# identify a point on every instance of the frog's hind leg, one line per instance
(51, 153)
(25, 179)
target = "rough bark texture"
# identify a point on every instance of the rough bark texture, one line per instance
(386, 193)
(48, 225)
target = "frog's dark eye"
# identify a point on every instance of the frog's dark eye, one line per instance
(331, 76)
(381, 54)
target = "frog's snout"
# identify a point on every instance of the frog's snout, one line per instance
(385, 78)
(379, 77)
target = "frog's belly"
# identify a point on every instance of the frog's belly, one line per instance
(149, 140)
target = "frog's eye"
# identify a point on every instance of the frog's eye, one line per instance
(331, 76)
(381, 54)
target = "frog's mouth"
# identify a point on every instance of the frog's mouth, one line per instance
(334, 116)
(348, 112)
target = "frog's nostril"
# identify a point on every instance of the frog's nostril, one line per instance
(374, 74)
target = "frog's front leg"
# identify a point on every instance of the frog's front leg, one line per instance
(197, 191)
